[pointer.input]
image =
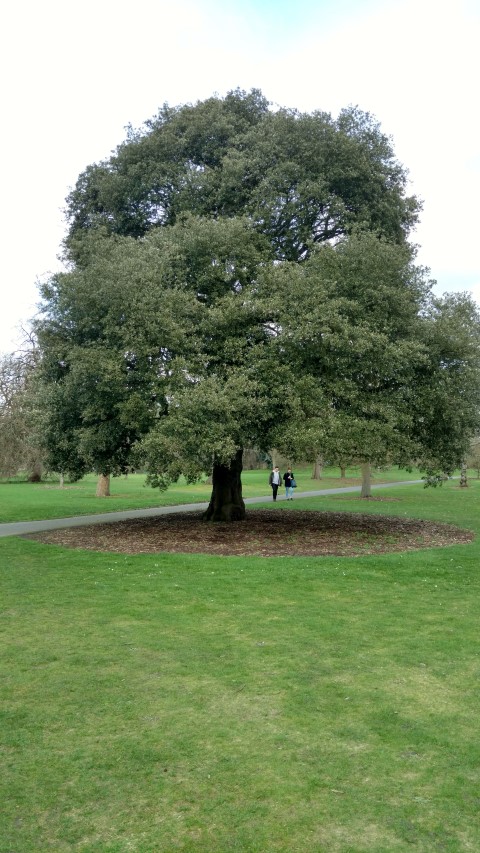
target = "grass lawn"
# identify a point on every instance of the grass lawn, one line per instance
(31, 501)
(244, 705)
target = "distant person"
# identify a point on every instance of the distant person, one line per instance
(274, 481)
(287, 478)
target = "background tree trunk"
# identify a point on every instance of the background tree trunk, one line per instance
(463, 475)
(343, 472)
(226, 502)
(273, 455)
(317, 468)
(103, 486)
(35, 475)
(366, 480)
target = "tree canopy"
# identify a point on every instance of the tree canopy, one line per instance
(241, 277)
(299, 178)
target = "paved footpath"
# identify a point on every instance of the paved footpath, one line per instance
(18, 527)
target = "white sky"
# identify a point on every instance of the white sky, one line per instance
(74, 74)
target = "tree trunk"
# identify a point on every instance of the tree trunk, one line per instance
(103, 486)
(273, 455)
(343, 472)
(317, 468)
(366, 480)
(226, 502)
(463, 476)
(62, 480)
(36, 473)
(250, 459)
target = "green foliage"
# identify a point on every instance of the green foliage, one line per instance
(300, 178)
(446, 396)
(242, 278)
(356, 325)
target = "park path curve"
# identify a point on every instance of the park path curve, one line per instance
(17, 528)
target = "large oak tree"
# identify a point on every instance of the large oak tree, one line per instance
(241, 277)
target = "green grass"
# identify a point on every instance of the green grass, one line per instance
(218, 705)
(22, 501)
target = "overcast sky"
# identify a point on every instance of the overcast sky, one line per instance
(74, 74)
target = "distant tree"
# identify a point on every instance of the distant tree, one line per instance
(445, 396)
(473, 457)
(317, 467)
(463, 474)
(11, 438)
(19, 446)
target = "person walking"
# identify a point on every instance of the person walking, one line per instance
(274, 481)
(287, 478)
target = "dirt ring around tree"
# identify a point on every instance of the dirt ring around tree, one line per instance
(264, 533)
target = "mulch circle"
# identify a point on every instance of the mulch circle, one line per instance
(265, 533)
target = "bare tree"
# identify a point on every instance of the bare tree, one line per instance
(19, 449)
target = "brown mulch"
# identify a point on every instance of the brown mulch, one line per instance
(265, 533)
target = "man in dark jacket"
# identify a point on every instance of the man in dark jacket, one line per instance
(288, 477)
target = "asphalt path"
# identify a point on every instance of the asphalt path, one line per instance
(17, 528)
